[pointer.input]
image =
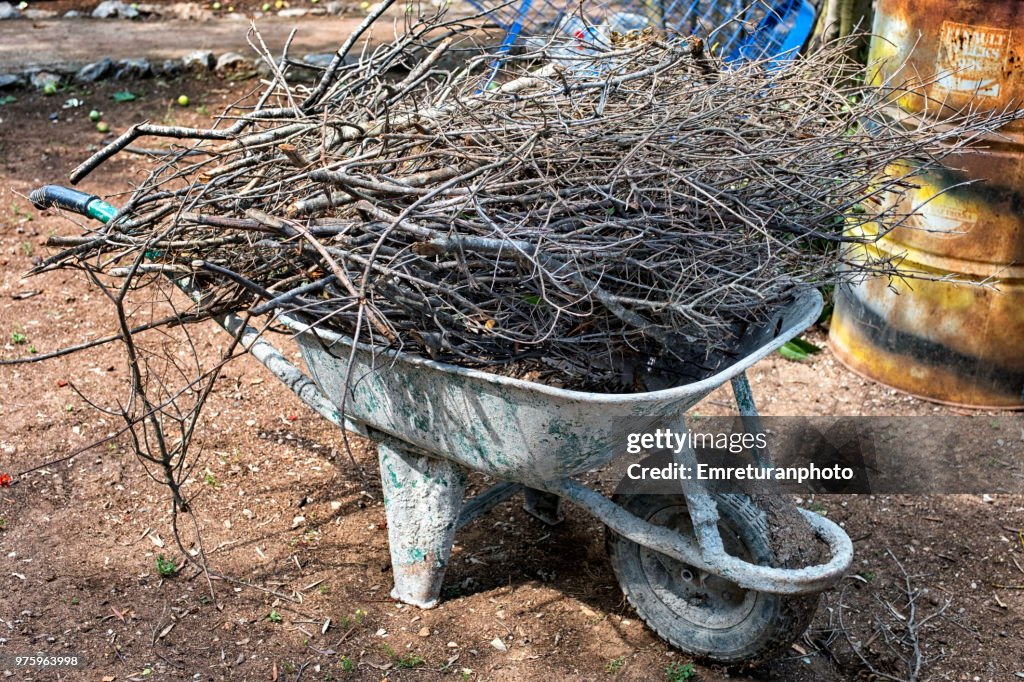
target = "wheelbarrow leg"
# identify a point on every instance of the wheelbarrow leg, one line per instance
(542, 505)
(422, 499)
(751, 418)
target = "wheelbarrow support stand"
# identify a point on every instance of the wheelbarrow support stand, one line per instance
(423, 500)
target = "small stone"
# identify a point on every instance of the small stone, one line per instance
(453, 645)
(8, 11)
(499, 645)
(298, 521)
(90, 73)
(335, 505)
(40, 79)
(334, 7)
(424, 632)
(229, 62)
(147, 9)
(72, 14)
(189, 11)
(10, 80)
(171, 67)
(133, 68)
(114, 8)
(322, 59)
(198, 60)
(36, 14)
(247, 513)
(987, 499)
(263, 69)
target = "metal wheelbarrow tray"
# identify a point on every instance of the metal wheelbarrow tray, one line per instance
(699, 568)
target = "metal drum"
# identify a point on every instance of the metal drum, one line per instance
(949, 341)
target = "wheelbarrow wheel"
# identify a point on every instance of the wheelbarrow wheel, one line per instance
(701, 613)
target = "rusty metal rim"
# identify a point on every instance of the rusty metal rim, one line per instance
(888, 246)
(936, 401)
(997, 138)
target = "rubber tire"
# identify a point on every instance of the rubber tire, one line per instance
(774, 621)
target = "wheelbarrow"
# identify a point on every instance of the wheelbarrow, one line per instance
(699, 568)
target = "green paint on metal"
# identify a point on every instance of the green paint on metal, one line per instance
(367, 393)
(396, 482)
(744, 395)
(567, 435)
(416, 555)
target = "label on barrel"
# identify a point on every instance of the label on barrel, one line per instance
(971, 59)
(947, 219)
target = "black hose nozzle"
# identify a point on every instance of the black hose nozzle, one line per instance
(66, 198)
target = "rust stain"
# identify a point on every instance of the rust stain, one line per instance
(966, 51)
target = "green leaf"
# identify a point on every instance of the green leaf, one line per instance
(826, 313)
(792, 352)
(532, 299)
(806, 346)
(123, 96)
(8, 99)
(798, 350)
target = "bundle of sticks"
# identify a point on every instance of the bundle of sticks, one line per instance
(568, 214)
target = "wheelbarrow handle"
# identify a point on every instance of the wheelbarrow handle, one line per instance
(89, 205)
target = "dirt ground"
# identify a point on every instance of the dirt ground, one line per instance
(301, 539)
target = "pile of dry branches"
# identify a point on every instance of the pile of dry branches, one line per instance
(575, 214)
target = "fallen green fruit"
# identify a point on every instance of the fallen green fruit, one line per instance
(183, 100)
(95, 115)
(103, 127)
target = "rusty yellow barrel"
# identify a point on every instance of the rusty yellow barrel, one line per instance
(949, 341)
